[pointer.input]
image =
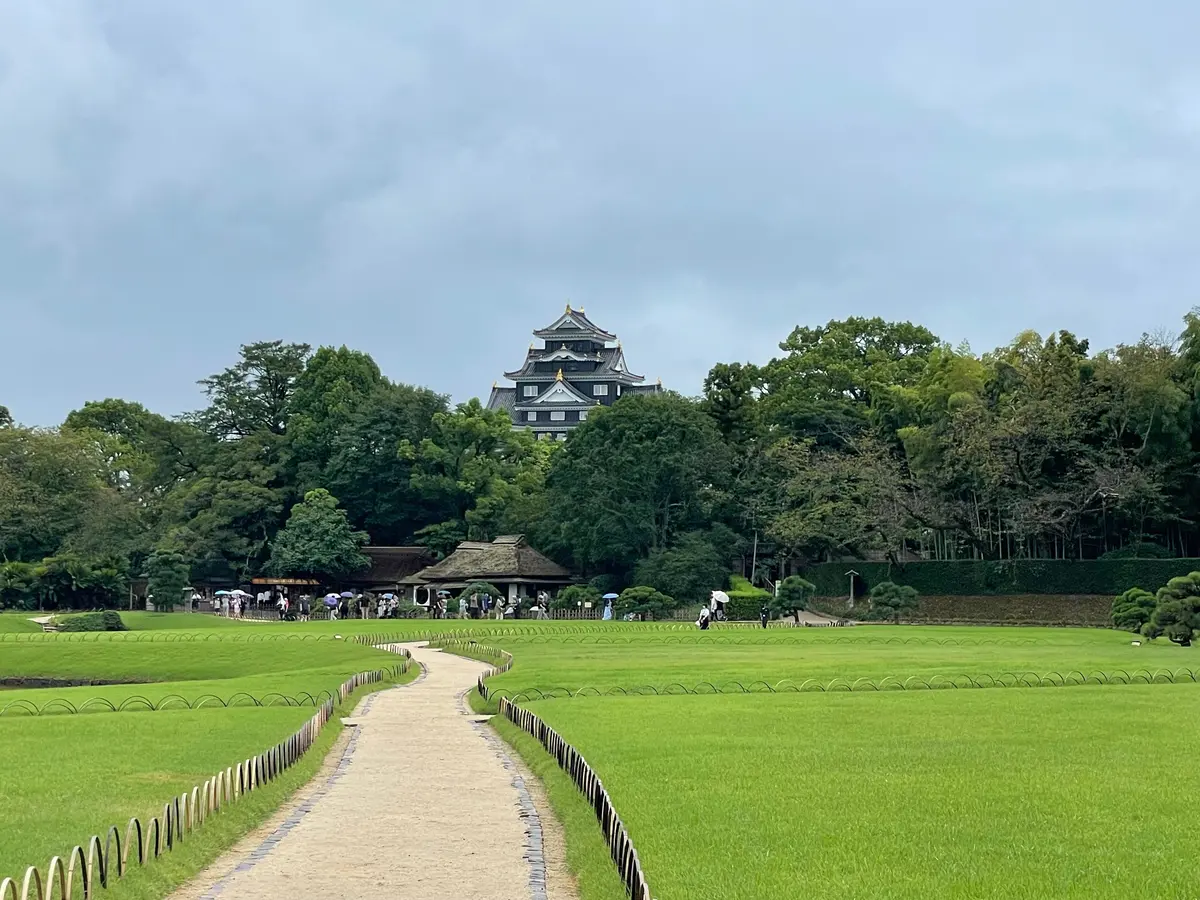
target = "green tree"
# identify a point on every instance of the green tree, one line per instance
(689, 571)
(1177, 613)
(833, 377)
(255, 393)
(792, 597)
(6, 419)
(463, 474)
(366, 473)
(18, 585)
(318, 542)
(167, 573)
(889, 600)
(645, 603)
(635, 477)
(1133, 609)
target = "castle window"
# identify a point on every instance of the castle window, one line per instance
(600, 390)
(531, 390)
(531, 416)
(557, 415)
(583, 415)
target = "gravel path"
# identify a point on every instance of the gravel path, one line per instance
(418, 800)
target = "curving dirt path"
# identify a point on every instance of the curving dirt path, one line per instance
(417, 800)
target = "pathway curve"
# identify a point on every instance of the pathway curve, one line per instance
(422, 804)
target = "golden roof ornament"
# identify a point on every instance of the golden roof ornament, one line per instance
(568, 306)
(558, 377)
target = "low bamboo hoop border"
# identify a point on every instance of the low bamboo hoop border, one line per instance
(570, 760)
(181, 815)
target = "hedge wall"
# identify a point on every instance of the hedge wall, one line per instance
(1013, 609)
(977, 578)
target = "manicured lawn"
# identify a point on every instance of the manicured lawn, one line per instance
(957, 794)
(716, 659)
(183, 660)
(63, 779)
(17, 622)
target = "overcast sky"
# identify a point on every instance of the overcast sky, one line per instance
(431, 182)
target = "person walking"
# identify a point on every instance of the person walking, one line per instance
(764, 615)
(705, 618)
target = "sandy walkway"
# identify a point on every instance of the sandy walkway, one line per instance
(420, 801)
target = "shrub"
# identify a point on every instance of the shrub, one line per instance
(793, 597)
(1133, 609)
(889, 600)
(645, 602)
(745, 600)
(574, 596)
(1177, 614)
(99, 621)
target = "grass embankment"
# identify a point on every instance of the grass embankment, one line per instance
(963, 794)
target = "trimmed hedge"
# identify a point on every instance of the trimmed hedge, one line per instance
(1012, 609)
(98, 621)
(745, 600)
(976, 578)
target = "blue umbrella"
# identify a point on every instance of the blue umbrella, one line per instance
(347, 594)
(611, 597)
(332, 600)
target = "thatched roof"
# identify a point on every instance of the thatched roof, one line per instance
(507, 558)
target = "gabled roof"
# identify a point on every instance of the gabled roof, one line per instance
(560, 392)
(506, 558)
(574, 325)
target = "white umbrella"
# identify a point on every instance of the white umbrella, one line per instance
(221, 593)
(720, 596)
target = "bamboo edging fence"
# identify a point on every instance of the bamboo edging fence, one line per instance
(181, 815)
(570, 760)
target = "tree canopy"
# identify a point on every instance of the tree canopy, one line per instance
(862, 438)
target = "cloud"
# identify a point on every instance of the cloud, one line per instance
(432, 184)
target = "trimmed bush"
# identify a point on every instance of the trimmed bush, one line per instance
(99, 621)
(745, 600)
(976, 578)
(889, 600)
(1133, 609)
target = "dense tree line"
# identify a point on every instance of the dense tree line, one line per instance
(862, 439)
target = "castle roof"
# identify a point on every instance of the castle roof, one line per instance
(610, 366)
(574, 325)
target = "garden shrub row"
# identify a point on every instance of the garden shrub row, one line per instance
(978, 578)
(97, 621)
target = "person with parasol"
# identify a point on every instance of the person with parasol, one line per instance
(716, 605)
(608, 606)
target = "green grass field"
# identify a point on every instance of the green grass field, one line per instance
(991, 793)
(64, 777)
(813, 658)
(980, 794)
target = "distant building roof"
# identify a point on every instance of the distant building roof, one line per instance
(504, 398)
(508, 558)
(391, 565)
